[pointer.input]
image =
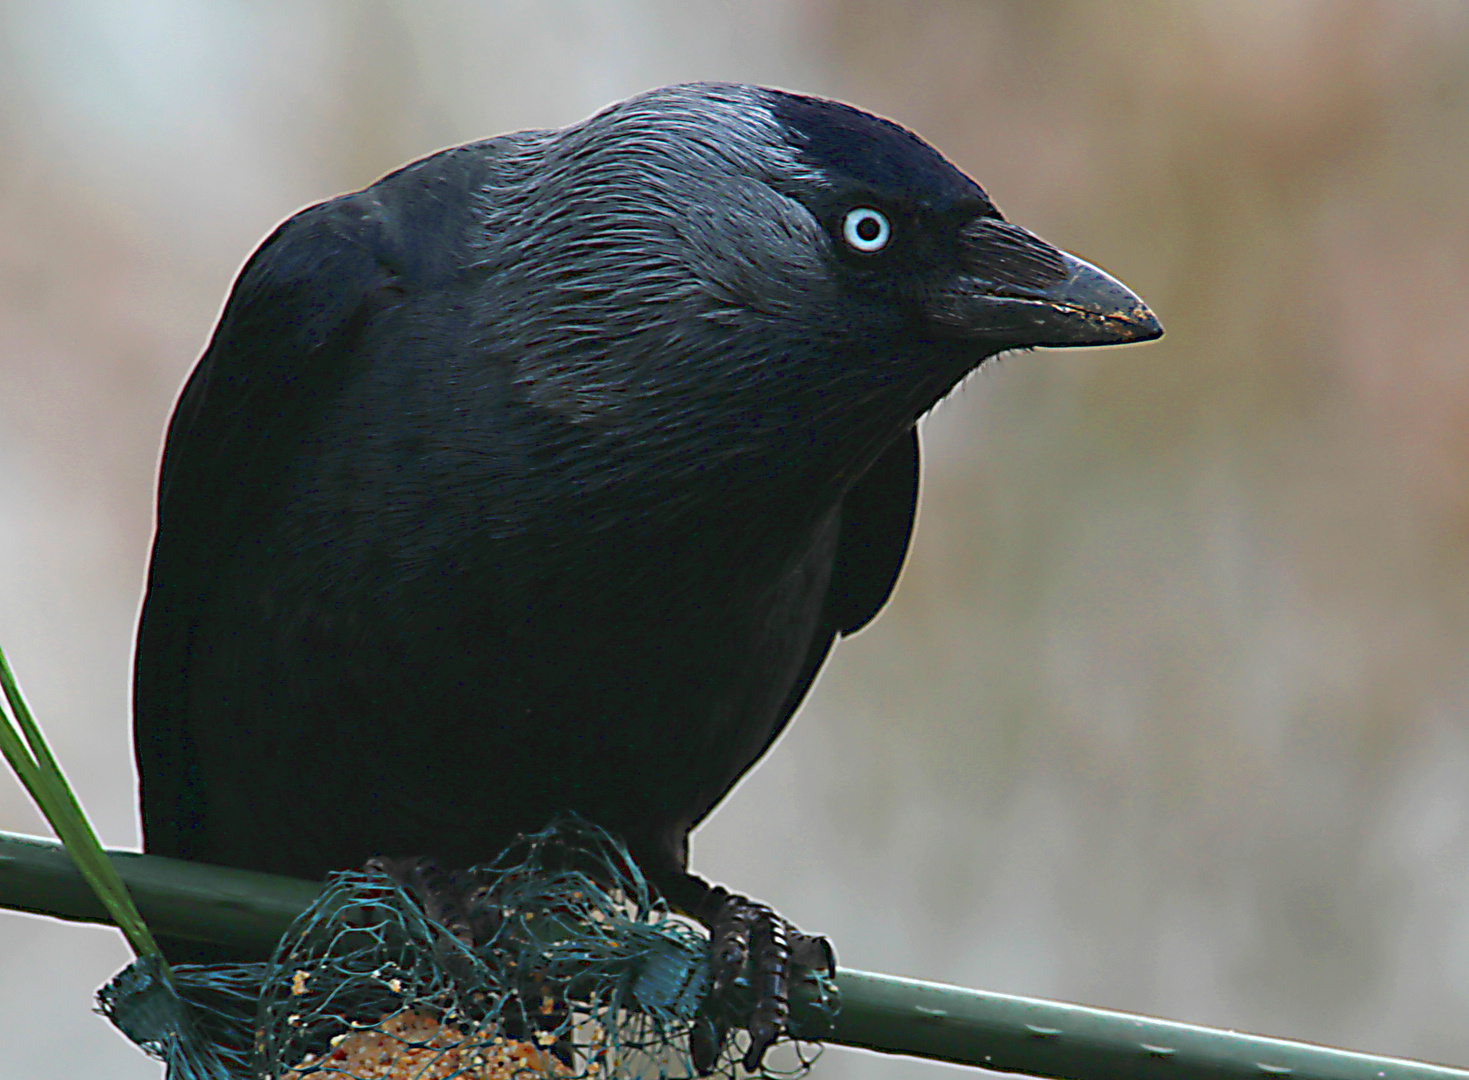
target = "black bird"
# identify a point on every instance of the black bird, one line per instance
(542, 474)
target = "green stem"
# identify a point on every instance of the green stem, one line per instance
(25, 748)
(879, 1012)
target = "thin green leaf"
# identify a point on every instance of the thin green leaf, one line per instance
(26, 750)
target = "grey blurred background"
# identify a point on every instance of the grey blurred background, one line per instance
(1171, 709)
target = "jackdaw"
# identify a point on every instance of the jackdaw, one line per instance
(542, 474)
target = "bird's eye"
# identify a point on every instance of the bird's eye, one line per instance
(866, 230)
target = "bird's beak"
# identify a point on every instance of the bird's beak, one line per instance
(1019, 291)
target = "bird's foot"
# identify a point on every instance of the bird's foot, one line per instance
(456, 900)
(449, 898)
(755, 955)
(753, 952)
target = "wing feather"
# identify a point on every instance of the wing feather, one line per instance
(285, 344)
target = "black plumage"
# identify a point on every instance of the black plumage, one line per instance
(542, 474)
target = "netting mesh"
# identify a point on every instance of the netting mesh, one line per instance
(559, 961)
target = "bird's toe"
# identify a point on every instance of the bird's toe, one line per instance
(753, 953)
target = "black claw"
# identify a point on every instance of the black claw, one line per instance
(754, 949)
(772, 959)
(814, 952)
(706, 1041)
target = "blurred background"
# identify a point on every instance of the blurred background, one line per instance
(1170, 712)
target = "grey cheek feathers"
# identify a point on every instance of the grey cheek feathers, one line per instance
(619, 245)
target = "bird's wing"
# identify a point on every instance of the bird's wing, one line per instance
(284, 342)
(876, 526)
(877, 523)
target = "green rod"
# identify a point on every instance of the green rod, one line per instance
(879, 1012)
(1007, 1033)
(176, 898)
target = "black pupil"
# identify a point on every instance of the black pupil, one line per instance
(868, 229)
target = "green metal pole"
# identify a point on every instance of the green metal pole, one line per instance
(176, 898)
(1051, 1038)
(879, 1012)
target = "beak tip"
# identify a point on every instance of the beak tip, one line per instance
(1139, 324)
(1097, 309)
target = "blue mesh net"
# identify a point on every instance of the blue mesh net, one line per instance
(560, 961)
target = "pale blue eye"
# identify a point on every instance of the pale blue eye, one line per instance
(866, 230)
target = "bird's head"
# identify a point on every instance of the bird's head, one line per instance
(757, 260)
(907, 228)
